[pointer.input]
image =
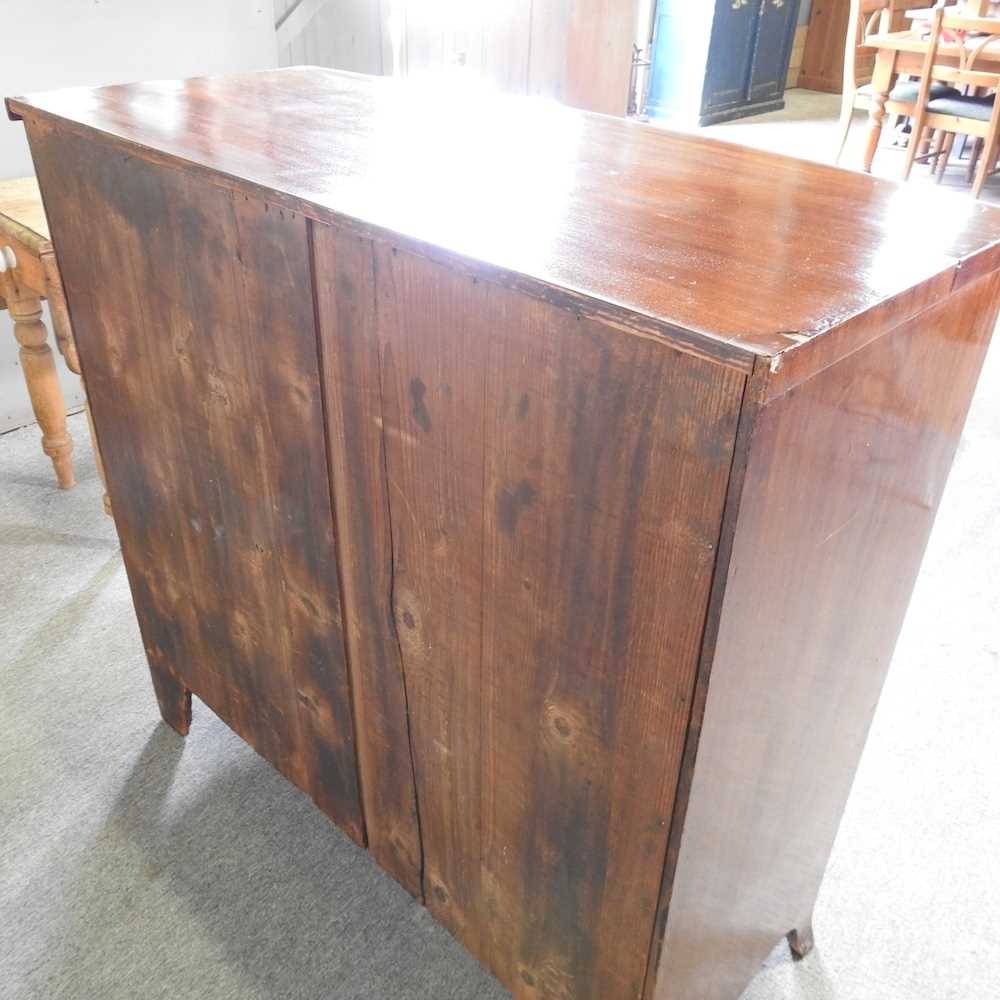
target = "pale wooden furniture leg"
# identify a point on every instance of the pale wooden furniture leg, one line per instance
(39, 367)
(846, 116)
(977, 148)
(916, 146)
(926, 140)
(991, 150)
(885, 64)
(936, 148)
(67, 347)
(942, 166)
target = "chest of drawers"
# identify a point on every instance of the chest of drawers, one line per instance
(540, 492)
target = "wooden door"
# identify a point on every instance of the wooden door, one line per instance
(772, 51)
(730, 54)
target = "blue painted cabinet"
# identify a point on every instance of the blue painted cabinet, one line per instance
(720, 63)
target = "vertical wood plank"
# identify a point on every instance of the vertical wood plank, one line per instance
(533, 486)
(345, 298)
(823, 57)
(205, 375)
(607, 472)
(281, 358)
(433, 332)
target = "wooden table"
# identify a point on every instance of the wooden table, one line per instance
(541, 492)
(978, 8)
(28, 274)
(904, 52)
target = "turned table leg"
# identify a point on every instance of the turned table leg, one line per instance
(67, 347)
(885, 66)
(38, 364)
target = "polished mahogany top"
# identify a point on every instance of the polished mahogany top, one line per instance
(742, 252)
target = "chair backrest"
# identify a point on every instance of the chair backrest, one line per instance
(968, 38)
(869, 17)
(866, 18)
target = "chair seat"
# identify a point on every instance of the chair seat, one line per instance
(979, 108)
(907, 91)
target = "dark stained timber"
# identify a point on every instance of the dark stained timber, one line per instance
(844, 476)
(205, 364)
(548, 518)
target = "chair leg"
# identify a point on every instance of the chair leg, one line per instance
(977, 148)
(936, 148)
(986, 159)
(987, 164)
(913, 147)
(991, 150)
(846, 117)
(949, 142)
(977, 185)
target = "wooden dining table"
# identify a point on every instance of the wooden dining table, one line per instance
(903, 52)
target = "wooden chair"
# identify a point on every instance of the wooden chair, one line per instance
(970, 114)
(869, 17)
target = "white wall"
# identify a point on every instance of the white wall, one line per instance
(60, 43)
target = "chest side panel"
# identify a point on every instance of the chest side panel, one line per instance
(540, 496)
(844, 477)
(194, 322)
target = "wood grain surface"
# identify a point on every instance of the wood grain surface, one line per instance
(543, 498)
(518, 554)
(843, 479)
(729, 251)
(823, 58)
(199, 352)
(21, 212)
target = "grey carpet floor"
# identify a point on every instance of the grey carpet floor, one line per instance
(134, 864)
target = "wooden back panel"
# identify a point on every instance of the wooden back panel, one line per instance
(195, 331)
(527, 506)
(539, 495)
